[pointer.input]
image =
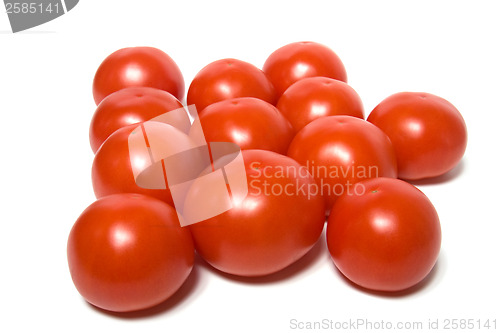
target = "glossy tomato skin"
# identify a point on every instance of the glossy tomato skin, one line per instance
(137, 67)
(340, 151)
(249, 122)
(112, 170)
(229, 78)
(311, 98)
(128, 106)
(268, 230)
(428, 133)
(386, 239)
(127, 252)
(300, 60)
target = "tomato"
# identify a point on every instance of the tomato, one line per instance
(278, 222)
(229, 78)
(387, 238)
(428, 133)
(297, 61)
(112, 168)
(128, 252)
(340, 151)
(137, 66)
(311, 98)
(249, 122)
(129, 106)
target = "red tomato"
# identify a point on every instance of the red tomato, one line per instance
(229, 78)
(428, 133)
(297, 61)
(128, 252)
(340, 151)
(272, 227)
(386, 238)
(129, 106)
(311, 98)
(249, 122)
(137, 66)
(112, 167)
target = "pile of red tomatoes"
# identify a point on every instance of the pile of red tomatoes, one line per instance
(309, 157)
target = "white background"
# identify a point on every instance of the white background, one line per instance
(448, 48)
